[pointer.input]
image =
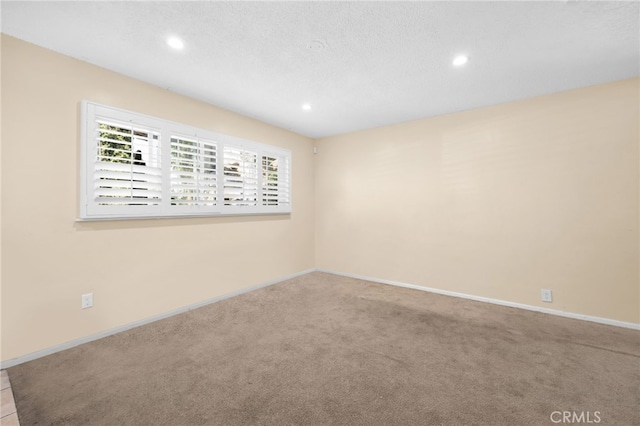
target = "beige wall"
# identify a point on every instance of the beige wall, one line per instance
(136, 269)
(498, 202)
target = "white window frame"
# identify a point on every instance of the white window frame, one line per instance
(90, 209)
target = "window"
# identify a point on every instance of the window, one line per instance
(135, 166)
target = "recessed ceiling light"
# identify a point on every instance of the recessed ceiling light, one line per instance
(306, 107)
(460, 60)
(175, 42)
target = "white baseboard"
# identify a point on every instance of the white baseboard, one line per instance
(606, 321)
(57, 348)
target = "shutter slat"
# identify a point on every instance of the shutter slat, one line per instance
(107, 175)
(180, 175)
(145, 186)
(126, 202)
(126, 167)
(115, 132)
(125, 193)
(178, 147)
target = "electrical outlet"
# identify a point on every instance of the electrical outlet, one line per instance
(87, 300)
(546, 296)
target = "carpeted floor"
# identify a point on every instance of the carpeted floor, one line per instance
(322, 349)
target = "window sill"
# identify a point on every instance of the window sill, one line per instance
(182, 216)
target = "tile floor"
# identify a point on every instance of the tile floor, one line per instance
(8, 414)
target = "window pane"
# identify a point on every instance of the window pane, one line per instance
(126, 171)
(193, 172)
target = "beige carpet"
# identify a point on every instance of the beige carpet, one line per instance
(322, 349)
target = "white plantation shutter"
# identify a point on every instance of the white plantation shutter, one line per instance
(123, 164)
(275, 180)
(120, 177)
(193, 172)
(240, 177)
(136, 166)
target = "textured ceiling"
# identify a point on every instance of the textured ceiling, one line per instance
(358, 64)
